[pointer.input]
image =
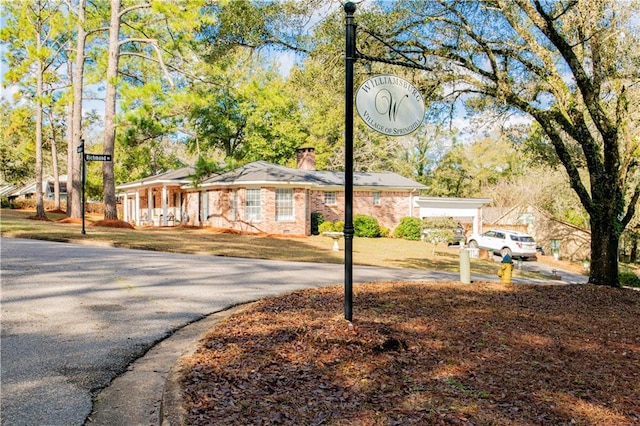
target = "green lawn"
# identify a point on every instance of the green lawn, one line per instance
(387, 252)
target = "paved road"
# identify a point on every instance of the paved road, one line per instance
(74, 316)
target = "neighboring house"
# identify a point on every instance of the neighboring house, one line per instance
(6, 189)
(157, 200)
(28, 191)
(574, 242)
(262, 197)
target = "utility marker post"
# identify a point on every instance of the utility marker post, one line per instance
(350, 58)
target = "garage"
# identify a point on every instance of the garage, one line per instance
(466, 210)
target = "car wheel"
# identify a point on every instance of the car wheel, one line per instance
(473, 244)
(506, 251)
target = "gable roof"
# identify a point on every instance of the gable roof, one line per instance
(172, 177)
(262, 172)
(12, 191)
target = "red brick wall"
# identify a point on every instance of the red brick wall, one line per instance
(393, 207)
(220, 214)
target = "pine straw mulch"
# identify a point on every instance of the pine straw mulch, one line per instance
(425, 353)
(113, 223)
(106, 223)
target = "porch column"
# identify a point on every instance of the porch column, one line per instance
(150, 206)
(125, 207)
(136, 212)
(164, 205)
(477, 221)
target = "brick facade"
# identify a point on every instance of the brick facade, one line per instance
(217, 211)
(228, 200)
(393, 206)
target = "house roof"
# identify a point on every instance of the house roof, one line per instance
(262, 172)
(12, 191)
(452, 202)
(172, 177)
(6, 189)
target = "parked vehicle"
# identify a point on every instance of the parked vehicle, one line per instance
(513, 243)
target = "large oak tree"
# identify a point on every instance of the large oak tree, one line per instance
(571, 65)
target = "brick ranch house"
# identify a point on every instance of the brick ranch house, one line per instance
(262, 197)
(156, 200)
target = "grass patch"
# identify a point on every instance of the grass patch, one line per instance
(385, 252)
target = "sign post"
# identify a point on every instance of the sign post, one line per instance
(350, 9)
(85, 158)
(387, 104)
(81, 151)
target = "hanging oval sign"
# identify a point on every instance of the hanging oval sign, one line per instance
(390, 105)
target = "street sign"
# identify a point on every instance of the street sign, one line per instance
(390, 105)
(97, 157)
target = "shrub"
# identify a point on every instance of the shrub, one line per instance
(366, 226)
(409, 228)
(326, 227)
(385, 232)
(338, 226)
(441, 229)
(316, 221)
(629, 279)
(439, 223)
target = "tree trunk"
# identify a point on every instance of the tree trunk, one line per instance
(39, 90)
(70, 146)
(75, 210)
(110, 211)
(604, 250)
(56, 176)
(633, 255)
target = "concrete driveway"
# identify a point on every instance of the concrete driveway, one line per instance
(75, 316)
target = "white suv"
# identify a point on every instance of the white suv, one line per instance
(513, 243)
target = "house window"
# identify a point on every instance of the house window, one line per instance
(526, 218)
(205, 205)
(284, 204)
(252, 205)
(233, 201)
(330, 198)
(376, 198)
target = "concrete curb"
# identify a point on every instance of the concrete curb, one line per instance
(148, 393)
(171, 411)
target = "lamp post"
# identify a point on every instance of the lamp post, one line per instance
(350, 58)
(411, 118)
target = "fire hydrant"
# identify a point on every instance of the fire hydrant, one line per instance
(506, 269)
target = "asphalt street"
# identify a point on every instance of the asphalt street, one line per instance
(74, 317)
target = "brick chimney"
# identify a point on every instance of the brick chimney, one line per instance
(306, 158)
